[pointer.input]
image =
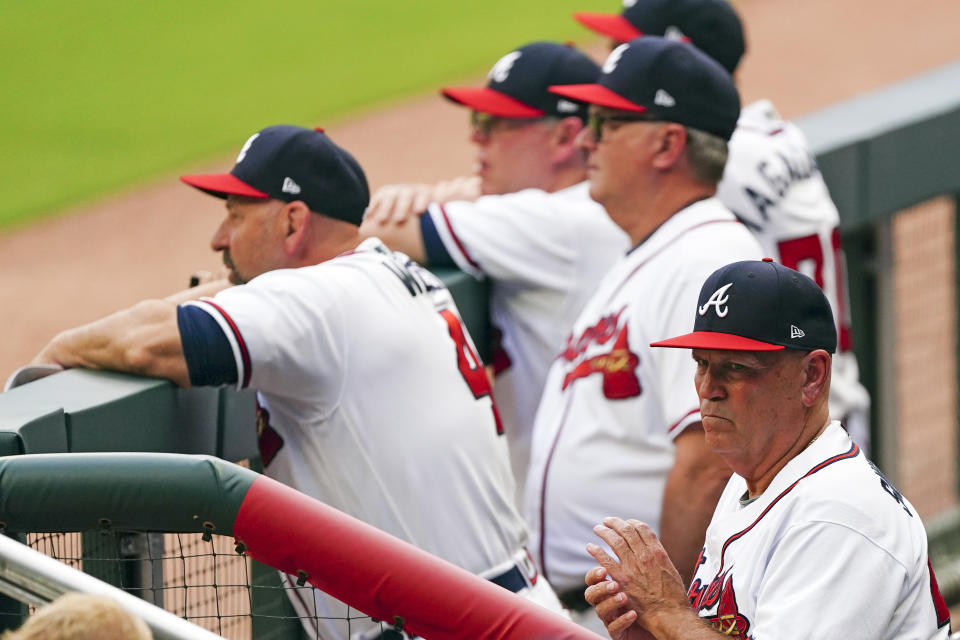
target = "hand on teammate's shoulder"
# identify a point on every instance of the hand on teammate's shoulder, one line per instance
(396, 203)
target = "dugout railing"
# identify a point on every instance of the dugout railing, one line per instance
(35, 579)
(880, 153)
(382, 576)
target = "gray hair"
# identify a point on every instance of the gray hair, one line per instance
(707, 155)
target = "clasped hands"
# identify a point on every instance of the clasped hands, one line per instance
(639, 589)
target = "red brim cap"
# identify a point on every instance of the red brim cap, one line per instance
(713, 340)
(492, 101)
(596, 94)
(223, 185)
(612, 25)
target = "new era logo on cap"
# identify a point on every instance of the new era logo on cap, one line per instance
(664, 99)
(674, 33)
(760, 306)
(293, 163)
(290, 186)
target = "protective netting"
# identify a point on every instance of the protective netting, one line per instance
(200, 578)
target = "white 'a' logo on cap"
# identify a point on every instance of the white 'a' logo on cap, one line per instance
(717, 300)
(629, 3)
(246, 147)
(614, 58)
(502, 68)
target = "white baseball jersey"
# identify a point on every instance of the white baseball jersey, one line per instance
(773, 185)
(544, 254)
(830, 550)
(372, 399)
(603, 437)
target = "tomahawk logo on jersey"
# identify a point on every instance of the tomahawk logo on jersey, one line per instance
(829, 525)
(591, 353)
(610, 397)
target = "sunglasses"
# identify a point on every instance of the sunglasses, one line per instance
(485, 123)
(596, 121)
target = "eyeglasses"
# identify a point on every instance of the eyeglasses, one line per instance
(485, 123)
(596, 121)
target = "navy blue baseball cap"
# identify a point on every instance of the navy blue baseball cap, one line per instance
(671, 80)
(759, 305)
(713, 26)
(293, 163)
(517, 84)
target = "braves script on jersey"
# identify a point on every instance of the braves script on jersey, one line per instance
(363, 406)
(773, 185)
(829, 550)
(603, 437)
(544, 254)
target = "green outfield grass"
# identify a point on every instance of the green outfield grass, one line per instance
(102, 94)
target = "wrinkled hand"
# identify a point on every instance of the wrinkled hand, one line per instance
(396, 203)
(612, 608)
(644, 575)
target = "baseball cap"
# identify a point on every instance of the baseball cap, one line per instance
(290, 163)
(713, 26)
(517, 84)
(759, 305)
(671, 80)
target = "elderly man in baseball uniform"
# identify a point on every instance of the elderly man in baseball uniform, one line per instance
(809, 540)
(771, 183)
(371, 395)
(618, 428)
(544, 244)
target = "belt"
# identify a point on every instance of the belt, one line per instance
(573, 599)
(512, 579)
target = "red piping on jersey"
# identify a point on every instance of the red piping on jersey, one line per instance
(543, 491)
(244, 354)
(563, 417)
(852, 453)
(453, 234)
(684, 417)
(764, 131)
(663, 248)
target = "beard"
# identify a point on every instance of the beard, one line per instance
(232, 274)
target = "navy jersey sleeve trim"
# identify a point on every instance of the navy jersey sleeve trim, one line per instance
(206, 349)
(437, 254)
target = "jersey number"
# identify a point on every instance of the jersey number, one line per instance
(797, 250)
(471, 368)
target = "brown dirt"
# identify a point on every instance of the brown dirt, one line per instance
(803, 54)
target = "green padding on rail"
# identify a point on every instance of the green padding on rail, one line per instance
(122, 491)
(87, 411)
(81, 410)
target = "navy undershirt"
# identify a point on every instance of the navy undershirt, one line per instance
(437, 255)
(206, 349)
